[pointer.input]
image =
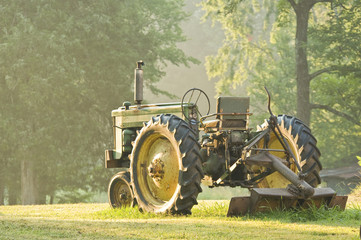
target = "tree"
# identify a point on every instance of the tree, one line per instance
(326, 55)
(64, 66)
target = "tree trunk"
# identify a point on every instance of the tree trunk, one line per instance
(28, 187)
(51, 199)
(12, 196)
(2, 184)
(41, 198)
(302, 73)
(13, 181)
(2, 196)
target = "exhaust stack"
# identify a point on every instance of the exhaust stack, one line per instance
(138, 83)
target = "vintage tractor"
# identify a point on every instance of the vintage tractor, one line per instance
(166, 160)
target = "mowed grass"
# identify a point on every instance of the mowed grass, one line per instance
(208, 221)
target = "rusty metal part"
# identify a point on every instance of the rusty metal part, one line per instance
(245, 151)
(339, 201)
(158, 165)
(282, 140)
(262, 159)
(265, 159)
(285, 145)
(239, 206)
(269, 199)
(304, 188)
(156, 168)
(120, 193)
(138, 83)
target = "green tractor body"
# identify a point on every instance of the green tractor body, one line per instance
(168, 149)
(127, 120)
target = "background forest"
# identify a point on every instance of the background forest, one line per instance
(64, 65)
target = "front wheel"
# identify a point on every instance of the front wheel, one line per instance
(166, 167)
(120, 193)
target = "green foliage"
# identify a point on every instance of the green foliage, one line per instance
(73, 196)
(259, 51)
(338, 138)
(334, 39)
(64, 65)
(215, 209)
(335, 46)
(256, 53)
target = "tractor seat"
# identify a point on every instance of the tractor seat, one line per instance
(233, 114)
(233, 124)
(214, 123)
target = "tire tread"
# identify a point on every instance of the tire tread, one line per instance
(310, 154)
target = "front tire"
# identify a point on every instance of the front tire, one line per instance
(120, 193)
(166, 167)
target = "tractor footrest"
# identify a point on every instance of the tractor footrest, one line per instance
(268, 199)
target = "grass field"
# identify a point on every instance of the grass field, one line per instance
(208, 221)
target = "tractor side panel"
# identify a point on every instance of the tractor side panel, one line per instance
(126, 122)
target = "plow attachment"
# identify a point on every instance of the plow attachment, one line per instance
(298, 194)
(268, 199)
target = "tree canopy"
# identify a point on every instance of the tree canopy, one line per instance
(307, 53)
(64, 65)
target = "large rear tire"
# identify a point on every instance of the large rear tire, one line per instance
(310, 154)
(166, 167)
(303, 146)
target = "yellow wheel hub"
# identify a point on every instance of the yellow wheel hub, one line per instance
(158, 168)
(165, 166)
(122, 194)
(276, 180)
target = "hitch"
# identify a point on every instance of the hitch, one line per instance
(273, 125)
(298, 194)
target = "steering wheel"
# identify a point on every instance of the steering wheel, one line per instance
(189, 97)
